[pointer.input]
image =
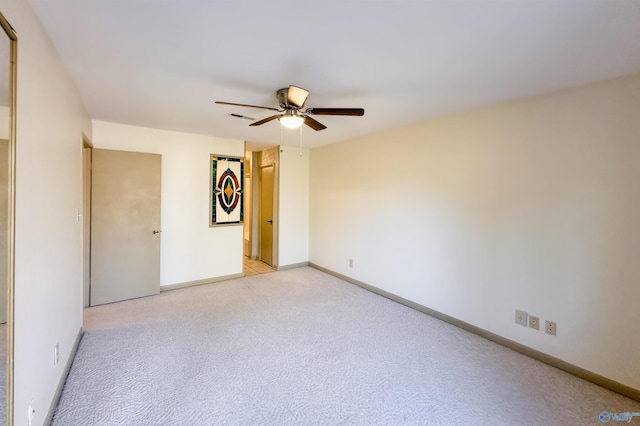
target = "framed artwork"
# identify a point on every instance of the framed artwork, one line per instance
(227, 191)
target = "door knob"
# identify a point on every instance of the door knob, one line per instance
(269, 221)
(156, 232)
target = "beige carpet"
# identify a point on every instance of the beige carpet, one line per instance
(302, 347)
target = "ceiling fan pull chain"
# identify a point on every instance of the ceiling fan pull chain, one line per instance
(300, 141)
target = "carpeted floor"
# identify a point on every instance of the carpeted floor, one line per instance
(303, 347)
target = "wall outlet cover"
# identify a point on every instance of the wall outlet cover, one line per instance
(534, 322)
(31, 414)
(550, 327)
(521, 317)
(56, 354)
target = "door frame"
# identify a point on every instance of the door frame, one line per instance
(87, 153)
(262, 210)
(247, 243)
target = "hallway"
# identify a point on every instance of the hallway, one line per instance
(254, 267)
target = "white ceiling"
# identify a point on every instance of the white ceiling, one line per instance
(163, 63)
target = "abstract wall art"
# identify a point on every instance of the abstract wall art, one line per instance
(227, 191)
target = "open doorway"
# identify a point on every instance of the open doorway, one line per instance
(248, 205)
(261, 225)
(267, 218)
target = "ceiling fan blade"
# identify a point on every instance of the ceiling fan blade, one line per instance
(297, 96)
(265, 120)
(314, 124)
(248, 106)
(358, 112)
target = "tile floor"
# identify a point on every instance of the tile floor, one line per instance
(253, 267)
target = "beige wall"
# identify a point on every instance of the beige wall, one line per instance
(531, 205)
(48, 274)
(293, 238)
(190, 249)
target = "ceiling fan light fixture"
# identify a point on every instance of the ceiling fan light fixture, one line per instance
(291, 115)
(291, 120)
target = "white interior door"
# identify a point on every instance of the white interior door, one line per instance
(125, 225)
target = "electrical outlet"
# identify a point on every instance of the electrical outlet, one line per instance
(534, 322)
(350, 263)
(56, 354)
(521, 317)
(550, 327)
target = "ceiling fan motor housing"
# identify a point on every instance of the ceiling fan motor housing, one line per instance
(283, 96)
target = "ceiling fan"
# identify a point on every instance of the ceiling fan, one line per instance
(291, 100)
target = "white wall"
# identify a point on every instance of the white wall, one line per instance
(48, 281)
(531, 205)
(293, 230)
(190, 249)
